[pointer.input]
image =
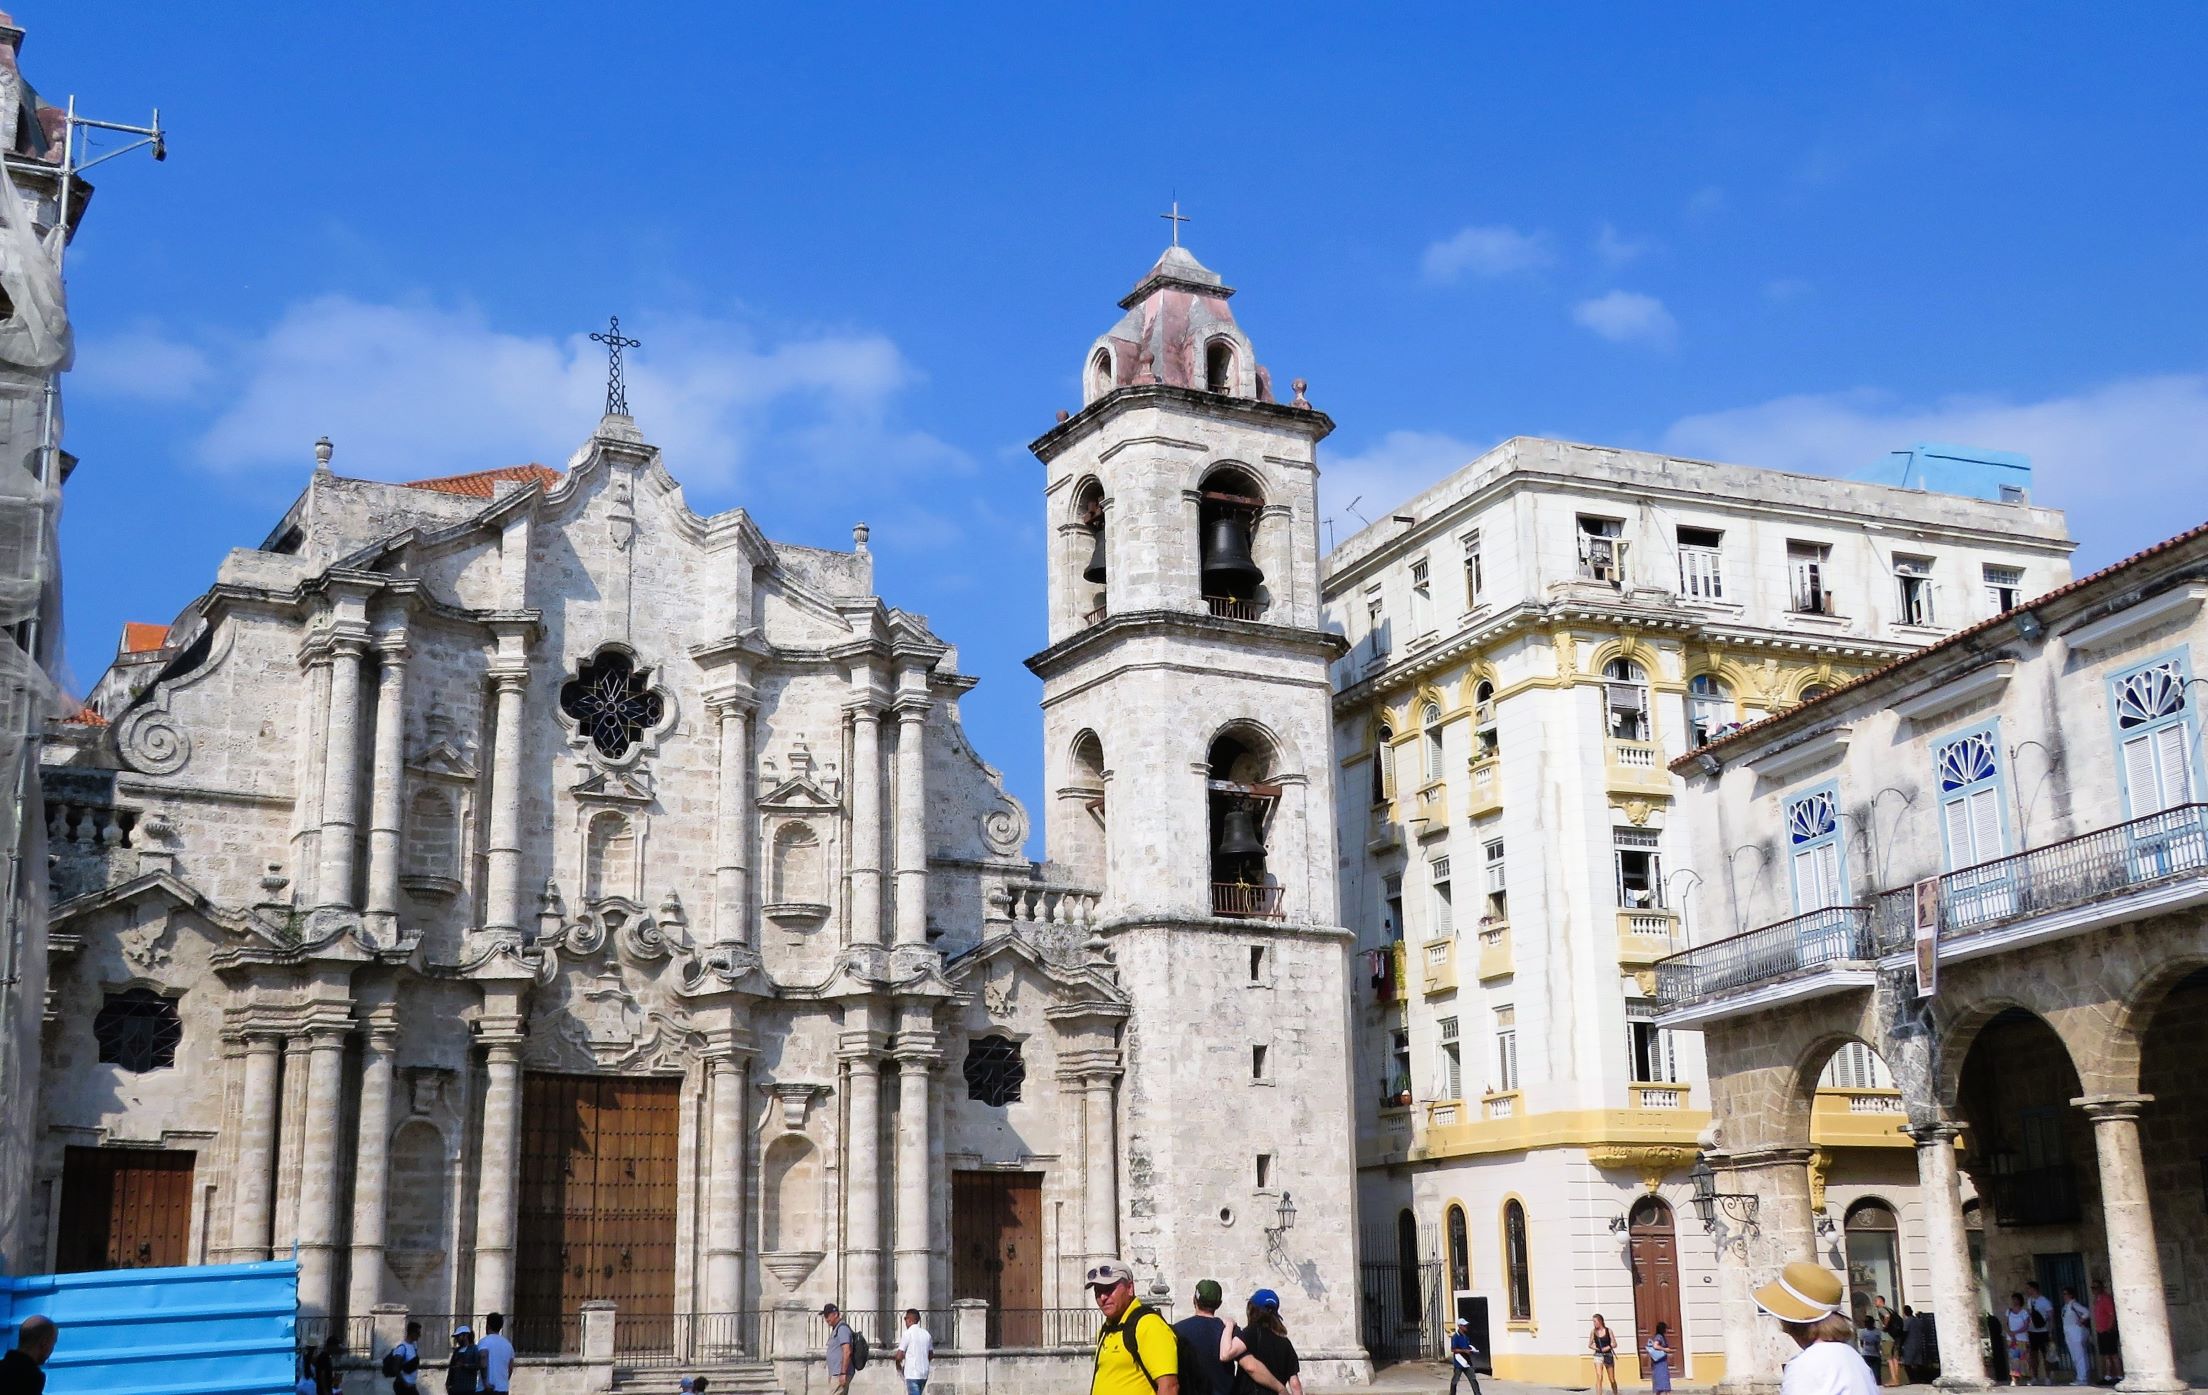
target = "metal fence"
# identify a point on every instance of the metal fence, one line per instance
(533, 1334)
(1043, 1327)
(1402, 1310)
(1773, 952)
(674, 1339)
(355, 1335)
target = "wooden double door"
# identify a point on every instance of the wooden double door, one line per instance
(124, 1208)
(997, 1251)
(1655, 1258)
(598, 1196)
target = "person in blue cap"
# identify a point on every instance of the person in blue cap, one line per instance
(1263, 1357)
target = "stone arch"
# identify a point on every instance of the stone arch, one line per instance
(800, 872)
(2122, 1043)
(2027, 1147)
(1630, 648)
(1252, 733)
(1102, 375)
(1960, 1034)
(1231, 503)
(1221, 359)
(609, 856)
(790, 1197)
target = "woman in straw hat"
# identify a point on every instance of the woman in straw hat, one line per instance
(1807, 1300)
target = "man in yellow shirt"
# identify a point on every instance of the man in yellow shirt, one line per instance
(1136, 1353)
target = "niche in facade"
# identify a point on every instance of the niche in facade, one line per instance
(790, 1196)
(609, 857)
(414, 1207)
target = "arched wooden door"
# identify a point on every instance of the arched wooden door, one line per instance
(1654, 1253)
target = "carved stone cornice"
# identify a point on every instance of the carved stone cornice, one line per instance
(1652, 1161)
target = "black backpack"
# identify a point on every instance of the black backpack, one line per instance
(1181, 1350)
(391, 1362)
(861, 1353)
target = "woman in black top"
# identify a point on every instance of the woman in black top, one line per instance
(1604, 1344)
(1263, 1345)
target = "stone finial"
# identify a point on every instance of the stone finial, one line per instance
(1064, 415)
(1299, 385)
(859, 534)
(322, 452)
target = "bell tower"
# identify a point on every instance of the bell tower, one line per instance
(1187, 722)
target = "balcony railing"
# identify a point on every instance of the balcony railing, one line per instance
(2032, 1195)
(2059, 877)
(1801, 945)
(1235, 608)
(1242, 901)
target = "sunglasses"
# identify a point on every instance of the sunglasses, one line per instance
(1103, 1276)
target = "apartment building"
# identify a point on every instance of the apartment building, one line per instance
(1531, 642)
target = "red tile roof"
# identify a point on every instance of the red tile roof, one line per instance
(139, 637)
(483, 484)
(1950, 642)
(85, 717)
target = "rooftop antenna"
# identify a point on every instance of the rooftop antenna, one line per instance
(73, 147)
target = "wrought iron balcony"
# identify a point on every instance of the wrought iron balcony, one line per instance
(1243, 901)
(1805, 956)
(2081, 882)
(2033, 1195)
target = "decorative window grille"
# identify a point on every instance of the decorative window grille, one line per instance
(1475, 577)
(612, 701)
(994, 1071)
(2004, 588)
(1914, 576)
(2150, 694)
(138, 1029)
(1806, 564)
(2154, 735)
(1701, 564)
(1813, 835)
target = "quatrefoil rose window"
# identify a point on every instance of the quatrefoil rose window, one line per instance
(611, 701)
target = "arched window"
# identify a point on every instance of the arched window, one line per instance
(1429, 721)
(1460, 1251)
(1241, 796)
(1815, 691)
(1090, 553)
(1709, 708)
(1517, 1261)
(1406, 1266)
(1874, 1256)
(1100, 373)
(2153, 732)
(1625, 700)
(1219, 366)
(1383, 764)
(1486, 741)
(1227, 509)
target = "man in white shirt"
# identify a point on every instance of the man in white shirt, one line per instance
(409, 1362)
(1807, 1300)
(498, 1356)
(915, 1353)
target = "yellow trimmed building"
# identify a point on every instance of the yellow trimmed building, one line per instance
(1532, 641)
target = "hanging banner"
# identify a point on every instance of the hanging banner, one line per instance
(1928, 936)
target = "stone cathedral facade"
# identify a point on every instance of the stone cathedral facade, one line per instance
(515, 890)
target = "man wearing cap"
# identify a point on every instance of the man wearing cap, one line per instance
(839, 1349)
(1137, 1352)
(1806, 1299)
(463, 1371)
(1202, 1334)
(1461, 1352)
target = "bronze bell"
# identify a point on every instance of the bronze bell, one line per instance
(1094, 571)
(1227, 569)
(1238, 833)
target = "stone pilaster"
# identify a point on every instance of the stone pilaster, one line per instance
(387, 785)
(319, 1184)
(254, 1207)
(917, 1058)
(724, 1253)
(732, 828)
(502, 859)
(291, 1140)
(1749, 1252)
(862, 1183)
(500, 1162)
(1947, 1252)
(2134, 1261)
(866, 822)
(372, 1164)
(341, 774)
(912, 818)
(1100, 1166)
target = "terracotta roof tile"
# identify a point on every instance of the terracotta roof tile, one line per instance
(1950, 642)
(140, 637)
(84, 717)
(483, 484)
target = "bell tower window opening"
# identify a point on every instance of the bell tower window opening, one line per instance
(611, 701)
(1100, 373)
(1219, 366)
(1092, 550)
(1241, 797)
(1227, 511)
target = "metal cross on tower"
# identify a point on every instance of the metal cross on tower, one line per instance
(1176, 220)
(617, 391)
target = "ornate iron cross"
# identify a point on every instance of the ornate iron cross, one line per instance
(1176, 219)
(617, 391)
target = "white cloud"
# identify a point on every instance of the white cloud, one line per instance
(1384, 475)
(1627, 317)
(1484, 251)
(2127, 459)
(141, 365)
(1612, 248)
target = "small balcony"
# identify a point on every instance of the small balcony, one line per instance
(1235, 608)
(1440, 967)
(1501, 1105)
(1658, 1094)
(1861, 1116)
(1645, 936)
(1635, 767)
(2143, 867)
(1486, 794)
(1432, 804)
(1495, 961)
(1807, 956)
(1385, 968)
(1244, 901)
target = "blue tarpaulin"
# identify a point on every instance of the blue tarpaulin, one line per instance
(199, 1330)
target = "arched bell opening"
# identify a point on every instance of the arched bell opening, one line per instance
(1219, 366)
(1085, 840)
(1100, 378)
(1242, 797)
(1089, 551)
(1229, 504)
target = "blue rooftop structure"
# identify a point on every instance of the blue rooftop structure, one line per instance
(2004, 476)
(197, 1330)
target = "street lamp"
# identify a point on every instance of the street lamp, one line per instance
(1709, 1201)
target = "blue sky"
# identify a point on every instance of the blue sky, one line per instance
(866, 247)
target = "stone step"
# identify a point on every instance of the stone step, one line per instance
(726, 1378)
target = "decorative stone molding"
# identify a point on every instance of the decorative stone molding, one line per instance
(795, 1097)
(1652, 1161)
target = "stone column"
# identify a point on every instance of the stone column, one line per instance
(866, 824)
(254, 1208)
(372, 1164)
(724, 1254)
(341, 777)
(1099, 1157)
(916, 1060)
(732, 834)
(912, 822)
(1783, 1230)
(501, 1167)
(319, 1184)
(388, 784)
(291, 1139)
(1947, 1252)
(503, 855)
(2134, 1261)
(862, 1225)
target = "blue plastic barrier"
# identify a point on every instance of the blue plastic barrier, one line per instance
(211, 1329)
